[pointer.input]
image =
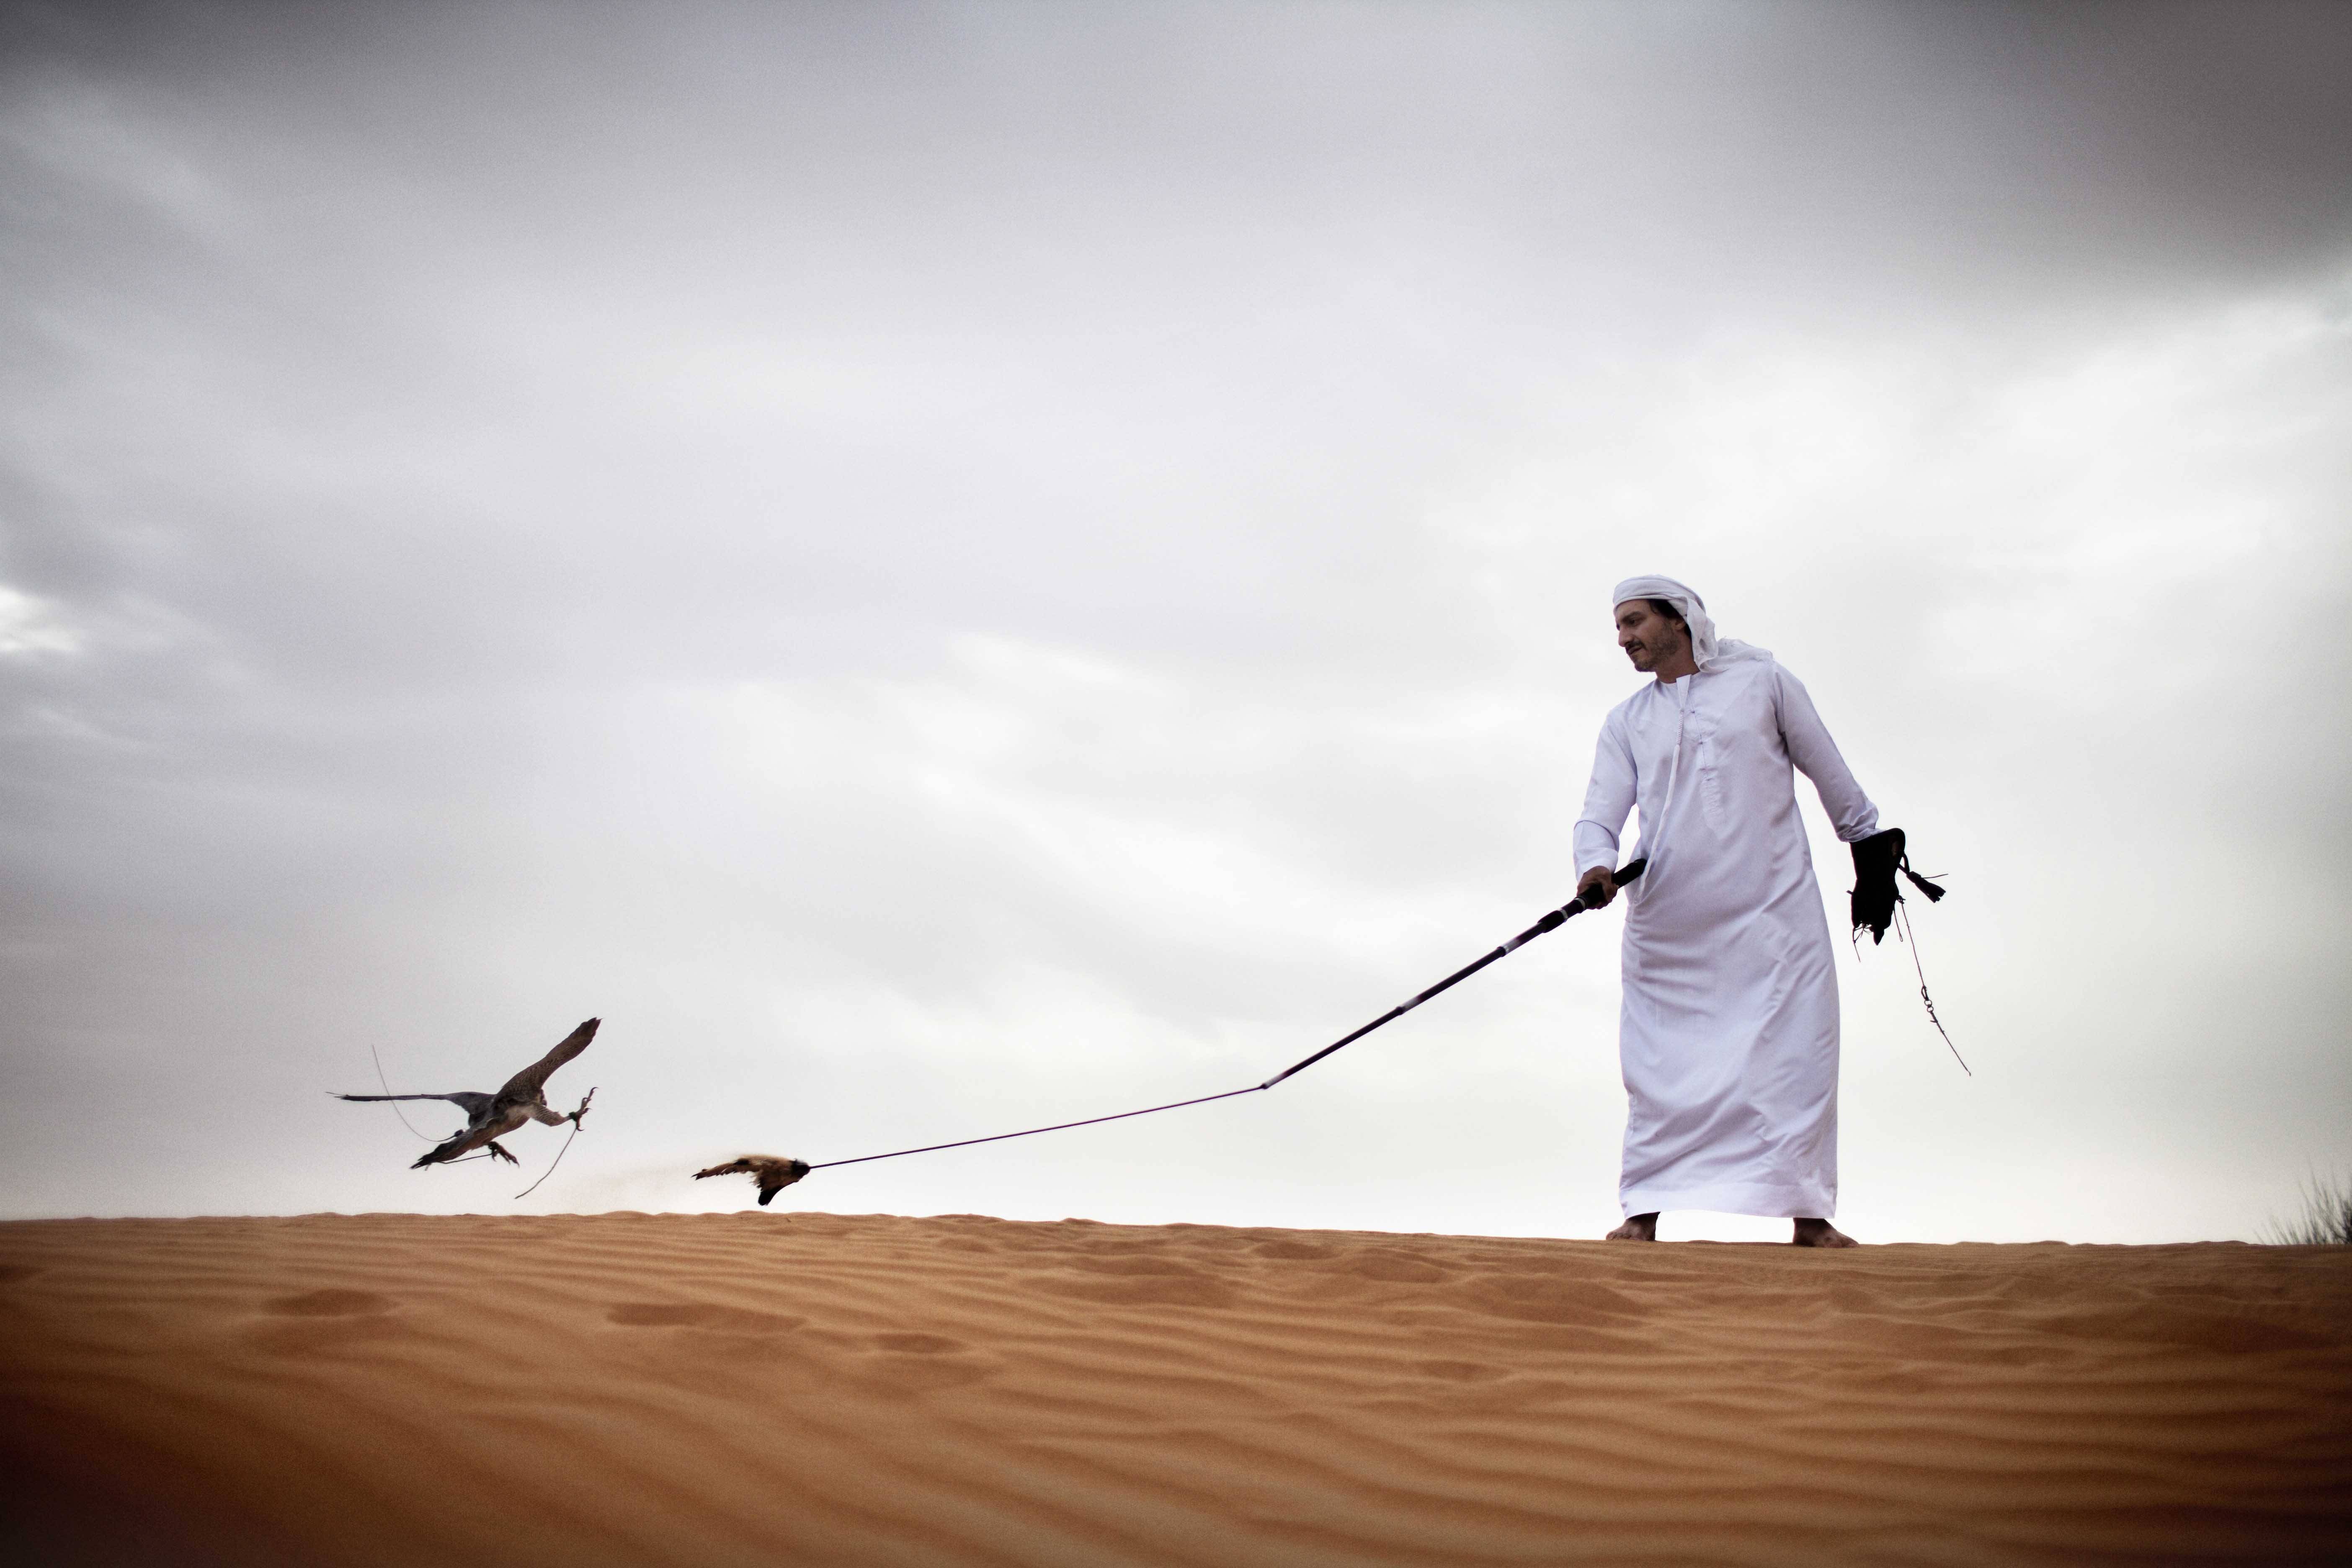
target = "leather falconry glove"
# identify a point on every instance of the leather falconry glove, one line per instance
(1875, 860)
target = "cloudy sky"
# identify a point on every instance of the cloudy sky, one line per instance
(948, 567)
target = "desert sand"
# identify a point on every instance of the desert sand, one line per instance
(772, 1388)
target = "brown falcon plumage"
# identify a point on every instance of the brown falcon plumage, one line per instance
(774, 1173)
(490, 1116)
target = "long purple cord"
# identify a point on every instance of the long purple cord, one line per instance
(1550, 921)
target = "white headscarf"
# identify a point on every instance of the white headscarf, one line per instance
(1711, 652)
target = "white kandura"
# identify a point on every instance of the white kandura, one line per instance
(1729, 1034)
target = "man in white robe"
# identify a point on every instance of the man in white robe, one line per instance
(1729, 1029)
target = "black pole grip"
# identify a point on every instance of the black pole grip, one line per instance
(1629, 872)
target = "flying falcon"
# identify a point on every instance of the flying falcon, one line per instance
(489, 1116)
(772, 1174)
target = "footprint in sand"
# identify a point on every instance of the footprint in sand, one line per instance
(1126, 1266)
(1540, 1299)
(913, 1364)
(699, 1315)
(329, 1304)
(1463, 1371)
(1139, 1282)
(326, 1321)
(1394, 1268)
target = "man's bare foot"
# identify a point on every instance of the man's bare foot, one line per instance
(1820, 1233)
(1639, 1227)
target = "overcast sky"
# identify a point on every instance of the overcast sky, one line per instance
(948, 567)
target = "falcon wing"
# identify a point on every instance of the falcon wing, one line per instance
(531, 1082)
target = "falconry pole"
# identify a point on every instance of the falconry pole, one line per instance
(1551, 921)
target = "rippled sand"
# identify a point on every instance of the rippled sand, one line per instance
(764, 1388)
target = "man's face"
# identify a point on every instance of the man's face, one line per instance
(1649, 639)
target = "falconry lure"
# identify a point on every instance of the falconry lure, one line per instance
(773, 1175)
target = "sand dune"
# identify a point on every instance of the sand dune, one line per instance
(764, 1388)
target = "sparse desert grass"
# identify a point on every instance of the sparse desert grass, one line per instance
(2326, 1219)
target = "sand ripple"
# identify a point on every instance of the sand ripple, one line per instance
(758, 1388)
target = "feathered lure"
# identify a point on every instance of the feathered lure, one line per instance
(772, 1172)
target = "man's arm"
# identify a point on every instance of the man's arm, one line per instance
(1607, 800)
(1817, 757)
